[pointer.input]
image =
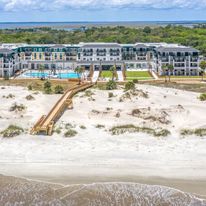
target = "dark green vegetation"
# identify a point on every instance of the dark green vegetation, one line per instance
(59, 89)
(70, 133)
(198, 132)
(110, 85)
(129, 86)
(12, 131)
(203, 97)
(117, 130)
(195, 37)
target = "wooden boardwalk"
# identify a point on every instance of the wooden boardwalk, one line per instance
(46, 123)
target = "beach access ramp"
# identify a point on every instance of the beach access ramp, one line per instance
(46, 123)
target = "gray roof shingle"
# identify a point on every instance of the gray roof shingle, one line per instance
(176, 49)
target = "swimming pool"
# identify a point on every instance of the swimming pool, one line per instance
(70, 75)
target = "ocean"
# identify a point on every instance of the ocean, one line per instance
(77, 25)
(19, 191)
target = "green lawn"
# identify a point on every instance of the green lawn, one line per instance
(182, 77)
(140, 75)
(106, 74)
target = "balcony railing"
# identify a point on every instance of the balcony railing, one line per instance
(87, 54)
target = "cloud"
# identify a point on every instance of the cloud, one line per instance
(18, 5)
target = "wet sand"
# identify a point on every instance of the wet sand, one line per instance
(19, 191)
(197, 187)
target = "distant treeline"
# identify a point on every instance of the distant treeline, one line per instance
(195, 37)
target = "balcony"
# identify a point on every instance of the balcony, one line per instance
(194, 59)
(101, 54)
(71, 53)
(101, 51)
(28, 53)
(48, 54)
(70, 59)
(87, 54)
(88, 50)
(193, 65)
(179, 59)
(179, 65)
(114, 54)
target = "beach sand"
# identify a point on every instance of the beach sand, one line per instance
(94, 154)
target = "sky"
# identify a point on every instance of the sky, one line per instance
(101, 10)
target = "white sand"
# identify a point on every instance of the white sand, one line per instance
(95, 152)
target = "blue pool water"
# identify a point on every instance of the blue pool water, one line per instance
(46, 75)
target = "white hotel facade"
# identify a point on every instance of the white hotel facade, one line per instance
(139, 56)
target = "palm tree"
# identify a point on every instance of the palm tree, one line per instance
(164, 68)
(171, 69)
(41, 70)
(113, 70)
(79, 71)
(203, 67)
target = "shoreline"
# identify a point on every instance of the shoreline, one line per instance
(65, 177)
(195, 187)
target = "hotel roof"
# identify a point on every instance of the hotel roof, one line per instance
(176, 49)
(97, 45)
(6, 51)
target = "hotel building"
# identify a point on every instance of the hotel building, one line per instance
(139, 56)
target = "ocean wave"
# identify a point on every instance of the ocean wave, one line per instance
(18, 191)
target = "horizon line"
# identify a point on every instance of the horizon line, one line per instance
(119, 21)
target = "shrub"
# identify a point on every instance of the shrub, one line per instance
(47, 87)
(110, 85)
(17, 108)
(69, 126)
(129, 86)
(29, 87)
(162, 133)
(130, 128)
(29, 97)
(58, 130)
(185, 132)
(202, 97)
(198, 132)
(135, 81)
(88, 93)
(58, 89)
(12, 131)
(70, 133)
(110, 94)
(117, 115)
(10, 96)
(100, 126)
(82, 127)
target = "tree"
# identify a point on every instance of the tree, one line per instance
(203, 67)
(147, 30)
(47, 87)
(170, 68)
(79, 71)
